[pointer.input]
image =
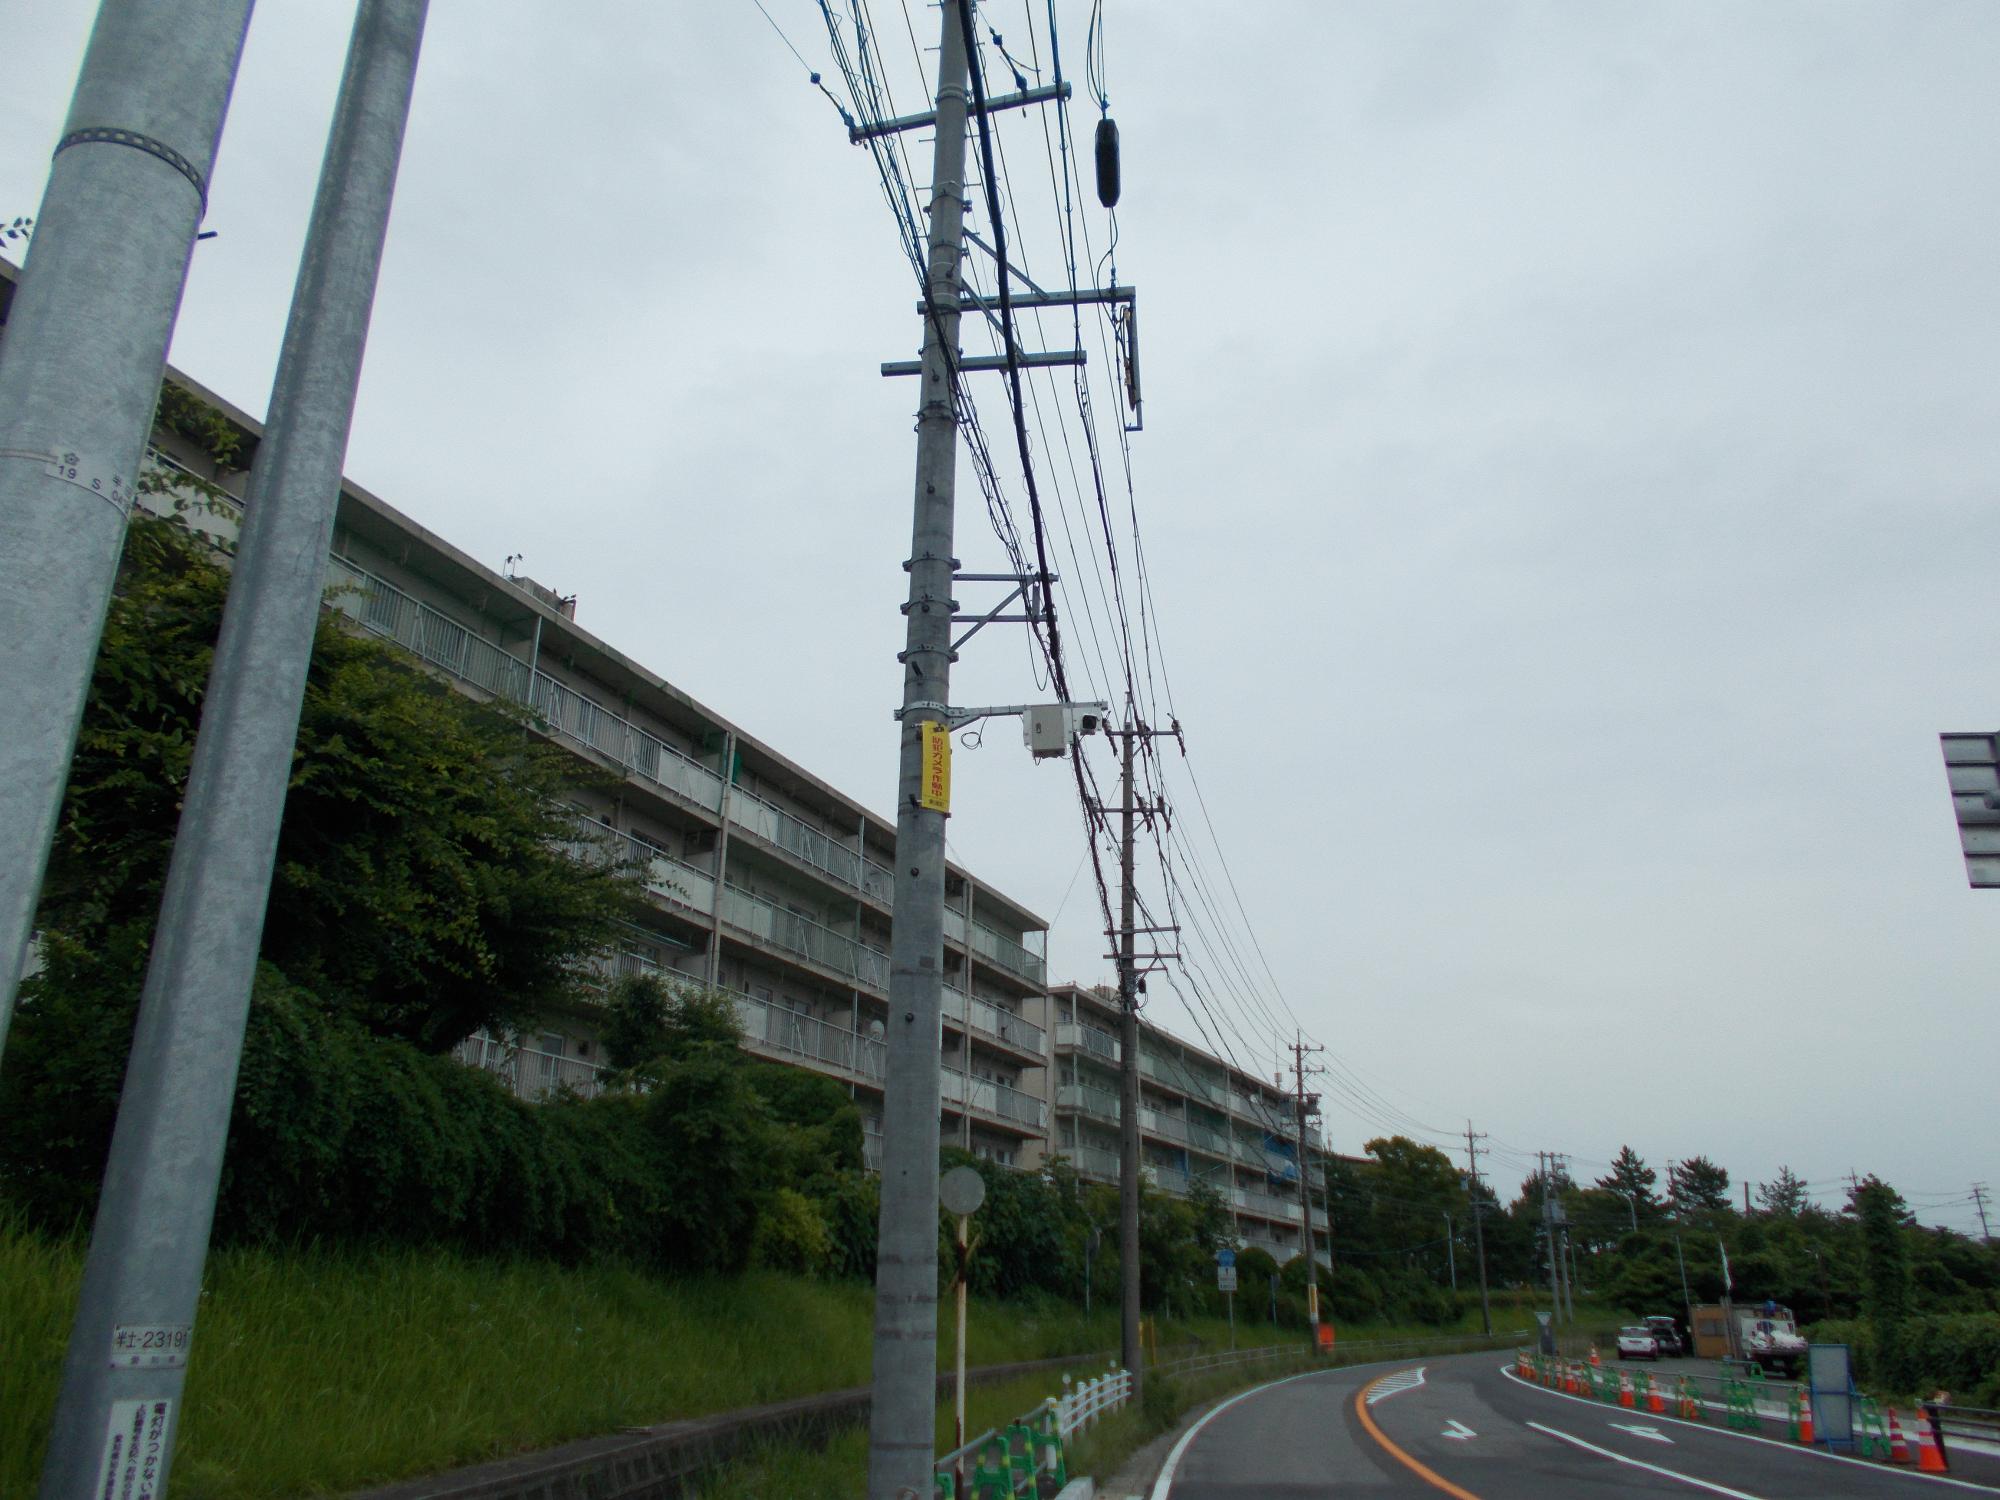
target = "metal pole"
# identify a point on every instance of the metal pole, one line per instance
(1128, 1088)
(1451, 1249)
(1478, 1228)
(143, 1272)
(902, 1425)
(964, 1256)
(80, 374)
(1549, 1234)
(1305, 1192)
(1687, 1298)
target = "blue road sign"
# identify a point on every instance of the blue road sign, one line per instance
(1225, 1257)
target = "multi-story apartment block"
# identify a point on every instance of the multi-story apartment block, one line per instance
(1200, 1119)
(765, 881)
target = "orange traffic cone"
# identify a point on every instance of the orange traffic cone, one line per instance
(1625, 1389)
(1593, 1357)
(1805, 1420)
(1653, 1401)
(1930, 1457)
(1899, 1450)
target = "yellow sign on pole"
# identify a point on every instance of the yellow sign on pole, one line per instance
(935, 792)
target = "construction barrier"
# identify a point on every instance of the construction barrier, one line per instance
(1739, 1403)
(1689, 1403)
(1871, 1433)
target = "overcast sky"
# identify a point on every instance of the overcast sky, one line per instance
(1567, 489)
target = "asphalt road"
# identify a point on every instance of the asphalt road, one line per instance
(1462, 1426)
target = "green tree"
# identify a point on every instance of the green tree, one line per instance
(1632, 1180)
(426, 882)
(1882, 1215)
(1698, 1187)
(1784, 1195)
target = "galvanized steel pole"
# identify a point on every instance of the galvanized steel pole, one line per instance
(80, 370)
(128, 1349)
(902, 1424)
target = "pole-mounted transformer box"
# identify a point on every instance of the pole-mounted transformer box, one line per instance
(1048, 726)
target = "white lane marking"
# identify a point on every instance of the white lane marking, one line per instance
(1507, 1372)
(1701, 1484)
(1390, 1385)
(1645, 1432)
(1166, 1480)
(1458, 1431)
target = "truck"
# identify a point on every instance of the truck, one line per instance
(1767, 1336)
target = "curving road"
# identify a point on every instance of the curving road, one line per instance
(1465, 1426)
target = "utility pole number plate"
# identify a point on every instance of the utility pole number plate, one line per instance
(150, 1346)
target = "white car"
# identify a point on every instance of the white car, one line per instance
(1637, 1343)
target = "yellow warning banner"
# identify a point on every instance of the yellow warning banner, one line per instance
(935, 792)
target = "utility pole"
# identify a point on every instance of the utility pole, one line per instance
(1130, 1353)
(1549, 1234)
(1451, 1250)
(1478, 1225)
(1306, 1103)
(80, 375)
(1558, 1167)
(901, 1429)
(142, 1277)
(1979, 1197)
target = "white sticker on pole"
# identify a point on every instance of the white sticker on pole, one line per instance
(135, 1451)
(150, 1346)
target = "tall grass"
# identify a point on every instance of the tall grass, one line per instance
(319, 1370)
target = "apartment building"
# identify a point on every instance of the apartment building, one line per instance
(765, 881)
(1200, 1119)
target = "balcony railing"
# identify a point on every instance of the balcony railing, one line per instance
(1204, 1138)
(1008, 954)
(670, 879)
(995, 1022)
(1166, 1126)
(996, 1099)
(1267, 1205)
(772, 1028)
(386, 610)
(815, 847)
(1168, 1179)
(786, 929)
(1093, 1161)
(529, 1072)
(1084, 1099)
(1076, 1034)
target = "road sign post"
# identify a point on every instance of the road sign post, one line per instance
(1225, 1282)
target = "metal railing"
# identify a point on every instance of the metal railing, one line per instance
(1093, 1161)
(994, 1022)
(673, 880)
(824, 852)
(1081, 1097)
(783, 928)
(769, 1027)
(1076, 1034)
(530, 1072)
(996, 1099)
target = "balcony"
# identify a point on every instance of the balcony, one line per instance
(1166, 1127)
(1267, 1205)
(1100, 1044)
(792, 1037)
(998, 1100)
(671, 880)
(995, 1024)
(529, 1072)
(834, 859)
(1093, 1161)
(1167, 1179)
(1000, 952)
(387, 611)
(1173, 1074)
(779, 927)
(1098, 1104)
(1204, 1138)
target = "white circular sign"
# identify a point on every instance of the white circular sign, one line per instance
(961, 1191)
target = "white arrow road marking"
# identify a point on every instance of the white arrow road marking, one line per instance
(1458, 1430)
(1645, 1432)
(1700, 1484)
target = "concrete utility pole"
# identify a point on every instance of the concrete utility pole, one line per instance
(1130, 1354)
(1979, 1198)
(1549, 1234)
(1478, 1225)
(135, 1317)
(79, 376)
(1451, 1250)
(1299, 1051)
(901, 1428)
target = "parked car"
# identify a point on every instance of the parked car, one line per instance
(1637, 1342)
(1667, 1334)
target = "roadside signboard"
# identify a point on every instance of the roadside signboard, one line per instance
(1225, 1278)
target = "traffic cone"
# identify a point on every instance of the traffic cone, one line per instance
(1899, 1450)
(1930, 1457)
(1653, 1402)
(1805, 1420)
(1594, 1361)
(1625, 1389)
(1690, 1407)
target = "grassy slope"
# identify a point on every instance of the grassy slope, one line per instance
(412, 1362)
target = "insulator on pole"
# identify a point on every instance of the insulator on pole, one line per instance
(1107, 162)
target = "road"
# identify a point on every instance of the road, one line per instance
(1462, 1426)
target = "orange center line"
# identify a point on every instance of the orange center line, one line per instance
(1429, 1476)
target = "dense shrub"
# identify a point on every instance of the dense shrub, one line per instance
(1955, 1352)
